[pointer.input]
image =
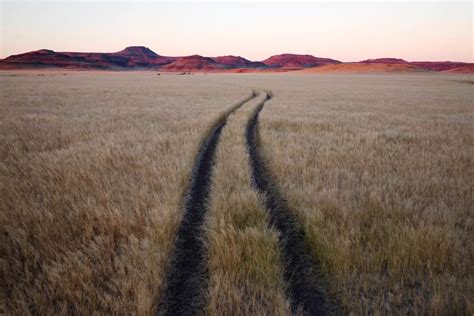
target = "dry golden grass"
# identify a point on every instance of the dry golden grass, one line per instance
(377, 168)
(244, 261)
(92, 172)
(379, 171)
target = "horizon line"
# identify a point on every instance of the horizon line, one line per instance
(223, 55)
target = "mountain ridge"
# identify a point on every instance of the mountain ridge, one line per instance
(143, 58)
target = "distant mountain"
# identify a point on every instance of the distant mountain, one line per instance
(466, 69)
(361, 67)
(139, 56)
(392, 61)
(143, 58)
(138, 51)
(194, 63)
(131, 57)
(294, 61)
(439, 65)
(45, 58)
(238, 62)
(427, 65)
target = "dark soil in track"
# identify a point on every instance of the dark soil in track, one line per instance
(305, 284)
(187, 276)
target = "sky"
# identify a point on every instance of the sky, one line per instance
(347, 31)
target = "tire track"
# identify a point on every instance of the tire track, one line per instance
(305, 284)
(186, 279)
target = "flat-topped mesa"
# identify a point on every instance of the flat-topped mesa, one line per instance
(196, 57)
(238, 62)
(385, 60)
(193, 63)
(297, 61)
(138, 51)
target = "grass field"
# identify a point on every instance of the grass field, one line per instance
(92, 172)
(377, 170)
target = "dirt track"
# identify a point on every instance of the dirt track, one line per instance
(305, 285)
(187, 278)
(187, 275)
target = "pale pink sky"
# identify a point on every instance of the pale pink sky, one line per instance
(345, 31)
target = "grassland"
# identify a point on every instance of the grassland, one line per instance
(376, 168)
(379, 171)
(92, 173)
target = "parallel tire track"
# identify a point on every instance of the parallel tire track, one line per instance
(305, 286)
(186, 280)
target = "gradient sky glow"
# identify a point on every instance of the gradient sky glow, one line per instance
(348, 31)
